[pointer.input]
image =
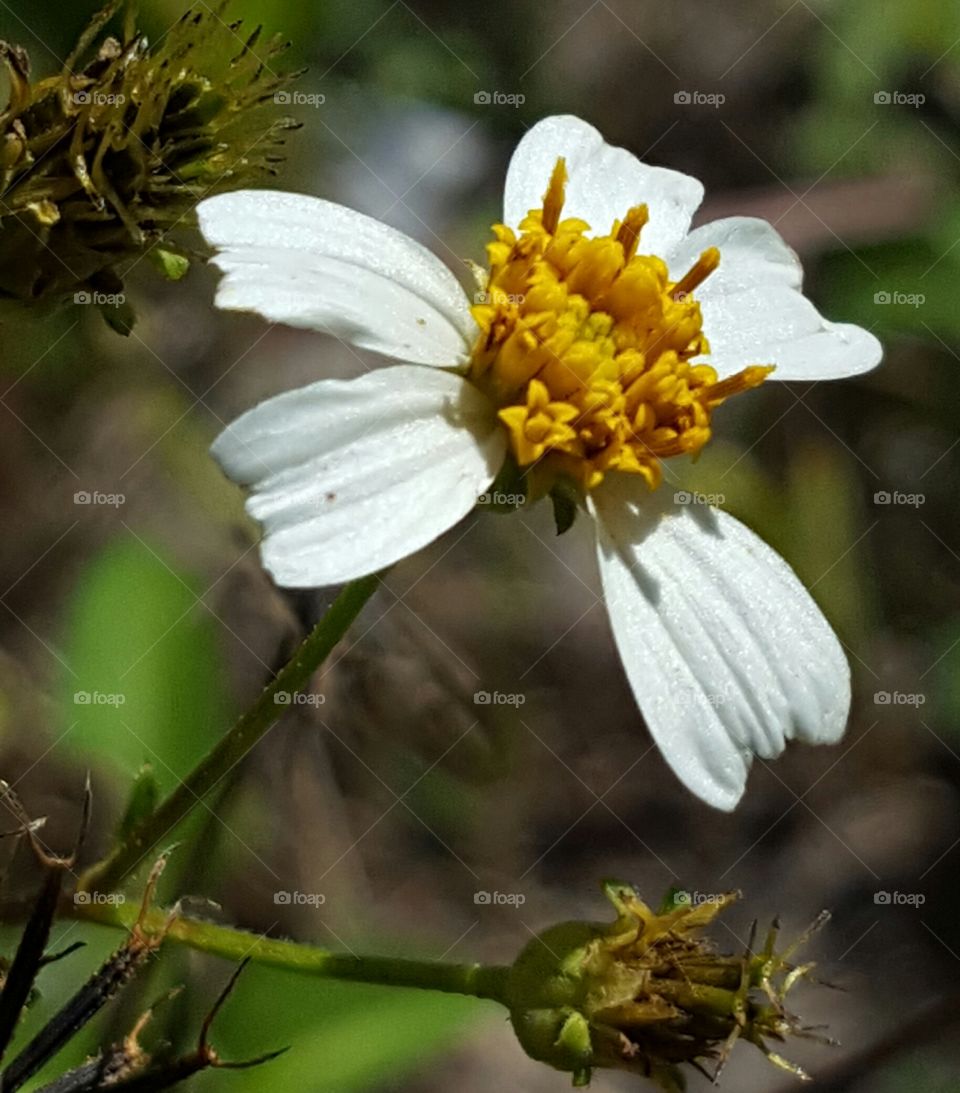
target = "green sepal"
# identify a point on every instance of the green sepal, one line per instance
(508, 491)
(673, 898)
(565, 495)
(574, 1040)
(119, 317)
(169, 265)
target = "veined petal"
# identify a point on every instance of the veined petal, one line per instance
(727, 654)
(348, 476)
(311, 263)
(603, 183)
(754, 312)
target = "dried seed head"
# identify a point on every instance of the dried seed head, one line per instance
(103, 163)
(648, 992)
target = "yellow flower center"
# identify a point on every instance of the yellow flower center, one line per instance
(586, 348)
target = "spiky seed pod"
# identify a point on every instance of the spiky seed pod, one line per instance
(103, 163)
(648, 993)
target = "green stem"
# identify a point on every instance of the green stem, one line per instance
(230, 749)
(476, 980)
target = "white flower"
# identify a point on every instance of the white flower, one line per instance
(588, 359)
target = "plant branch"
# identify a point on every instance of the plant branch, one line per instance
(231, 748)
(475, 980)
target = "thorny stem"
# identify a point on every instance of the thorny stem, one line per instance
(475, 980)
(230, 749)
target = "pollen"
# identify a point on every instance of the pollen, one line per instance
(588, 348)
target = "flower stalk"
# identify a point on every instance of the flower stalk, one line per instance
(645, 993)
(476, 980)
(231, 748)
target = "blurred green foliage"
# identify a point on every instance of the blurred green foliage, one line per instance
(146, 681)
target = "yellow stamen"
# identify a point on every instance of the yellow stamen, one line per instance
(739, 382)
(553, 198)
(700, 271)
(628, 234)
(588, 348)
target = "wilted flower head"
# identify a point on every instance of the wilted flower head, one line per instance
(648, 993)
(101, 161)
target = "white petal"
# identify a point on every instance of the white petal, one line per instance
(604, 182)
(311, 263)
(726, 652)
(349, 476)
(754, 312)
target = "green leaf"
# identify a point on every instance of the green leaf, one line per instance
(144, 679)
(342, 1036)
(901, 288)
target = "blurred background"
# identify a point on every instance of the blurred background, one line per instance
(389, 807)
